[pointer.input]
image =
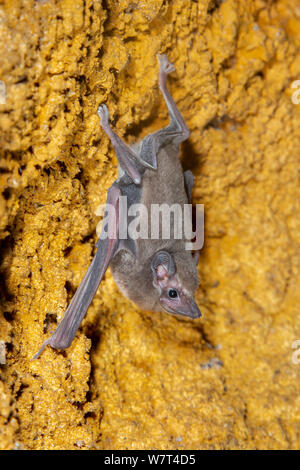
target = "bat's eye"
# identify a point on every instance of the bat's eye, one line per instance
(172, 293)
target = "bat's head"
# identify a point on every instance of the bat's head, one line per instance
(175, 278)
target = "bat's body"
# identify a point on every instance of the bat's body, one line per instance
(157, 274)
(164, 184)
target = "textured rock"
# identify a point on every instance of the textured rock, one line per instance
(133, 379)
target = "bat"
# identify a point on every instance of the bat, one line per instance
(156, 273)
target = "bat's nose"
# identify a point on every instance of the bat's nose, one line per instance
(195, 311)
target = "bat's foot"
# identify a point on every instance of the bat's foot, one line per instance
(103, 114)
(165, 65)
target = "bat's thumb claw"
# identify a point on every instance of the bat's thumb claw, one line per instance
(37, 355)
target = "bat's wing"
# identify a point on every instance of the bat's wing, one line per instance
(188, 184)
(135, 162)
(176, 132)
(108, 245)
(129, 161)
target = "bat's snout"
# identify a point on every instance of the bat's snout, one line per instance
(187, 308)
(195, 311)
(192, 310)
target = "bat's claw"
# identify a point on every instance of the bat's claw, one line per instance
(103, 114)
(165, 65)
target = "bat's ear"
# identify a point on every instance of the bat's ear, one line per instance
(163, 267)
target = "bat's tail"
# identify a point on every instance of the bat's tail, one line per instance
(66, 330)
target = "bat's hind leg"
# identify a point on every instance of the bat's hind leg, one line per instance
(177, 127)
(127, 158)
(176, 132)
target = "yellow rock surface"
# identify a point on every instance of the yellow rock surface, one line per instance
(133, 379)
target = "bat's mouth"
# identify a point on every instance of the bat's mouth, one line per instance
(193, 312)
